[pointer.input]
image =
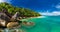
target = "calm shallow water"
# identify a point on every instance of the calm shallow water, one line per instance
(46, 24)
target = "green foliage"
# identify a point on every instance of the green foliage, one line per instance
(23, 11)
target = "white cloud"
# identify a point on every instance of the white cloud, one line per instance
(54, 13)
(2, 0)
(57, 6)
(5, 1)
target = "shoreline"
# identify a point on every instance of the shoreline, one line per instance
(32, 17)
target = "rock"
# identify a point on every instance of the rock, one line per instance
(28, 23)
(12, 25)
(1, 30)
(18, 30)
(6, 12)
(15, 16)
(4, 19)
(2, 22)
(3, 16)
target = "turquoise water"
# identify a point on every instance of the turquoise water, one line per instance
(46, 24)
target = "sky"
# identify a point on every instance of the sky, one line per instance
(38, 5)
(52, 6)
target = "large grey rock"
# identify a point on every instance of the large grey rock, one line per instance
(6, 12)
(15, 16)
(3, 16)
(4, 19)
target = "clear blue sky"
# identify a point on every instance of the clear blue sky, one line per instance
(38, 5)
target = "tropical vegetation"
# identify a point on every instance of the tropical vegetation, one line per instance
(24, 12)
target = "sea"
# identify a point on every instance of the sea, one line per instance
(44, 24)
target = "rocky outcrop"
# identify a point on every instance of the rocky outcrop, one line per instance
(3, 16)
(28, 23)
(6, 12)
(12, 25)
(15, 16)
(4, 19)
